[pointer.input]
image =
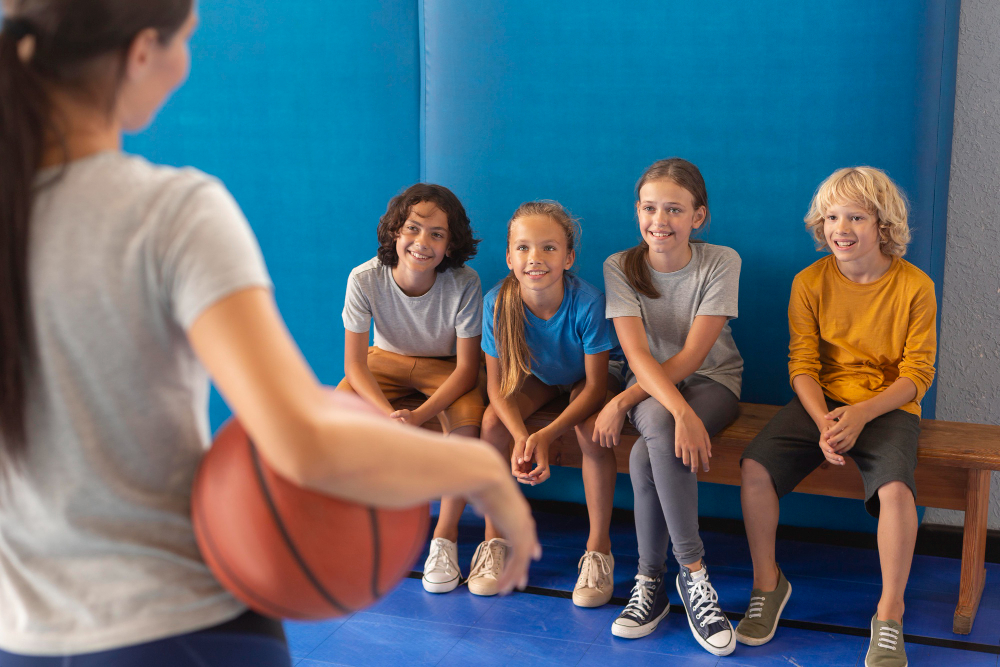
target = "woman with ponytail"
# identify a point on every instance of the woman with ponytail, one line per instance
(545, 334)
(121, 284)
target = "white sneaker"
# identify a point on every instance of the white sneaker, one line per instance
(441, 573)
(487, 564)
(596, 581)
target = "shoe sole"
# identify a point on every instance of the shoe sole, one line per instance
(626, 632)
(714, 650)
(442, 587)
(872, 627)
(488, 592)
(590, 603)
(753, 641)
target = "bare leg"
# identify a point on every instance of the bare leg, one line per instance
(452, 506)
(599, 471)
(897, 537)
(760, 515)
(532, 396)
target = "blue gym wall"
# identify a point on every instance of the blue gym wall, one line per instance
(314, 114)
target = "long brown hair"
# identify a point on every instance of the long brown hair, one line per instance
(44, 44)
(508, 313)
(683, 173)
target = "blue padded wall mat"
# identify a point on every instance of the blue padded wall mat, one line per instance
(309, 112)
(571, 100)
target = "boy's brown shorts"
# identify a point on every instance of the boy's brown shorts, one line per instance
(885, 451)
(399, 375)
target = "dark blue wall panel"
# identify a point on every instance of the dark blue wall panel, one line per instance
(571, 100)
(309, 112)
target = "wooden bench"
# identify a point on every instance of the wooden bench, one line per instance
(954, 464)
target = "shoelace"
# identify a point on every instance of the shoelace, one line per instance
(491, 563)
(438, 558)
(642, 599)
(888, 635)
(756, 607)
(704, 600)
(592, 565)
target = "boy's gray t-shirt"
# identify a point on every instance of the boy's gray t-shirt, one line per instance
(417, 326)
(96, 545)
(708, 285)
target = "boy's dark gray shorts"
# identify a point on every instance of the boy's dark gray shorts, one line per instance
(886, 450)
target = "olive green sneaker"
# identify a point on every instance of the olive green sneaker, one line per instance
(886, 648)
(761, 620)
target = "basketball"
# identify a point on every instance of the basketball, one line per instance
(293, 553)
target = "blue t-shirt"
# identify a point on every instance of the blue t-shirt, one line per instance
(558, 345)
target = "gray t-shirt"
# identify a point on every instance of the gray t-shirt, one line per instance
(96, 545)
(708, 285)
(417, 326)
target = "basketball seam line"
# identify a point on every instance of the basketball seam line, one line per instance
(288, 538)
(235, 580)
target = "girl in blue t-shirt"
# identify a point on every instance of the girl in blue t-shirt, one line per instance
(545, 334)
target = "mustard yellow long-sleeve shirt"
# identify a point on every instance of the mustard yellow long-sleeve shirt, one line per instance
(855, 340)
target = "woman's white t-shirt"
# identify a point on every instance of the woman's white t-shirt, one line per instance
(96, 545)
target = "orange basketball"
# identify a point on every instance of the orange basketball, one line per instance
(293, 553)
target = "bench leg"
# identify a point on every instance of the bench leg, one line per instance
(977, 501)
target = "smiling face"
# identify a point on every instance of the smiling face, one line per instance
(422, 242)
(851, 233)
(538, 252)
(667, 216)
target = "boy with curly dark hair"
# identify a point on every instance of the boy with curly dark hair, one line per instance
(428, 309)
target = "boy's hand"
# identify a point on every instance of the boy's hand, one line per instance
(691, 442)
(536, 447)
(824, 446)
(846, 423)
(608, 427)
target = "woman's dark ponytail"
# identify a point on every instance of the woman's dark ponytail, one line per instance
(24, 113)
(49, 44)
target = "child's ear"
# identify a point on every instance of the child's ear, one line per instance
(699, 217)
(509, 265)
(570, 259)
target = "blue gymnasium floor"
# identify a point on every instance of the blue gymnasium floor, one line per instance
(835, 590)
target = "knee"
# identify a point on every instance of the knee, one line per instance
(638, 459)
(493, 431)
(585, 438)
(754, 476)
(895, 493)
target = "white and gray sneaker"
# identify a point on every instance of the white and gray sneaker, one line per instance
(441, 573)
(645, 609)
(705, 618)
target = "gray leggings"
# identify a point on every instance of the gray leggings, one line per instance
(666, 491)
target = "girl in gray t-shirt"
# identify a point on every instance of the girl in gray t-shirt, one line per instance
(671, 300)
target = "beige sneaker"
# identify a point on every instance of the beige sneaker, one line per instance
(487, 564)
(596, 581)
